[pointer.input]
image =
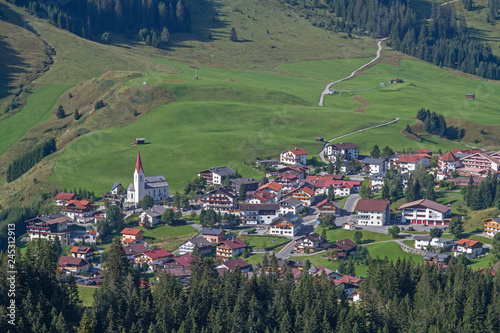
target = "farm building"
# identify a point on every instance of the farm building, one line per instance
(470, 96)
(140, 141)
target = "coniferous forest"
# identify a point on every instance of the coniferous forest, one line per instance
(396, 297)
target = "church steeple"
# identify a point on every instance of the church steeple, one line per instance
(138, 165)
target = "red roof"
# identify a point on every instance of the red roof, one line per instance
(411, 158)
(297, 151)
(467, 151)
(349, 279)
(158, 253)
(92, 232)
(64, 196)
(303, 188)
(184, 260)
(263, 195)
(82, 204)
(424, 151)
(234, 244)
(70, 261)
(81, 249)
(448, 157)
(327, 201)
(372, 205)
(470, 243)
(138, 164)
(131, 231)
(342, 183)
(272, 186)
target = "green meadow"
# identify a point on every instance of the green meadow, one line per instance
(37, 110)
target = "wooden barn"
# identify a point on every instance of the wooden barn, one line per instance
(470, 96)
(140, 141)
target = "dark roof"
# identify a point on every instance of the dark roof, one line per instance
(346, 244)
(247, 180)
(223, 171)
(231, 264)
(346, 145)
(52, 218)
(423, 238)
(155, 181)
(115, 185)
(258, 207)
(199, 241)
(369, 160)
(292, 201)
(211, 231)
(135, 248)
(234, 244)
(372, 205)
(71, 261)
(156, 210)
(441, 257)
(224, 190)
(427, 204)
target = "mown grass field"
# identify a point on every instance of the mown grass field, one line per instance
(168, 237)
(336, 235)
(86, 294)
(262, 242)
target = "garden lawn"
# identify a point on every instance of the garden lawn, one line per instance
(262, 242)
(336, 235)
(320, 260)
(483, 262)
(169, 237)
(86, 294)
(38, 109)
(392, 251)
(254, 259)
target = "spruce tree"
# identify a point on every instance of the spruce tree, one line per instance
(233, 36)
(60, 112)
(331, 193)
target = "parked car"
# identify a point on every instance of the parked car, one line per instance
(411, 229)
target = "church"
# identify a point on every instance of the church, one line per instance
(155, 186)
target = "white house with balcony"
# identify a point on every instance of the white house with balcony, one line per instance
(294, 156)
(287, 225)
(425, 212)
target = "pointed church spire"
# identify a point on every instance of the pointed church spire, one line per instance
(138, 165)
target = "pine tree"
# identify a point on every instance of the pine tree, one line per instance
(60, 112)
(233, 36)
(242, 193)
(330, 168)
(165, 34)
(375, 153)
(331, 193)
(77, 115)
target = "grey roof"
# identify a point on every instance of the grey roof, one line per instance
(224, 190)
(369, 160)
(376, 176)
(292, 218)
(444, 240)
(247, 180)
(199, 241)
(441, 257)
(223, 171)
(135, 248)
(258, 207)
(211, 231)
(115, 185)
(155, 182)
(423, 238)
(155, 211)
(496, 219)
(346, 145)
(292, 201)
(130, 188)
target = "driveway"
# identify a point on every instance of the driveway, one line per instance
(350, 203)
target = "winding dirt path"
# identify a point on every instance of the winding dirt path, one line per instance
(327, 89)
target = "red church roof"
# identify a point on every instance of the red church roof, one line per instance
(138, 165)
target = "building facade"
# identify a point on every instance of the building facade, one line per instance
(155, 186)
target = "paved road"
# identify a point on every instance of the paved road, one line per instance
(350, 203)
(309, 226)
(322, 152)
(327, 89)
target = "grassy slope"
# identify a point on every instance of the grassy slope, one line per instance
(340, 234)
(169, 237)
(262, 242)
(86, 294)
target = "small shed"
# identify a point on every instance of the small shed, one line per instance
(320, 138)
(140, 141)
(470, 96)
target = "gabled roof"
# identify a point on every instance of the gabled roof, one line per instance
(469, 243)
(448, 157)
(156, 210)
(211, 231)
(263, 195)
(411, 158)
(325, 177)
(246, 180)
(184, 260)
(271, 186)
(290, 218)
(346, 145)
(65, 261)
(292, 201)
(198, 241)
(135, 248)
(81, 249)
(131, 231)
(372, 161)
(81, 204)
(115, 185)
(333, 203)
(441, 257)
(158, 253)
(424, 151)
(233, 244)
(346, 244)
(427, 204)
(302, 188)
(258, 207)
(238, 262)
(223, 190)
(64, 196)
(372, 205)
(223, 171)
(351, 280)
(296, 151)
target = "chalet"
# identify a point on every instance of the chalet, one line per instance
(153, 257)
(261, 197)
(328, 207)
(343, 248)
(308, 244)
(372, 166)
(409, 163)
(470, 248)
(152, 216)
(115, 188)
(133, 250)
(425, 212)
(290, 205)
(139, 141)
(297, 170)
(373, 212)
(272, 187)
(448, 162)
(181, 273)
(349, 284)
(258, 213)
(230, 248)
(204, 246)
(294, 156)
(213, 235)
(49, 227)
(221, 199)
(131, 235)
(492, 226)
(217, 176)
(376, 182)
(81, 211)
(437, 258)
(421, 242)
(83, 252)
(100, 216)
(179, 262)
(424, 151)
(302, 193)
(63, 198)
(287, 181)
(287, 225)
(343, 188)
(325, 177)
(232, 265)
(250, 184)
(470, 96)
(321, 270)
(73, 265)
(348, 150)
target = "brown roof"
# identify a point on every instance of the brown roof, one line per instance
(272, 185)
(81, 249)
(70, 261)
(470, 243)
(448, 157)
(346, 244)
(263, 195)
(336, 204)
(64, 196)
(234, 244)
(231, 264)
(82, 204)
(297, 151)
(427, 204)
(184, 260)
(131, 231)
(411, 158)
(347, 145)
(372, 205)
(157, 253)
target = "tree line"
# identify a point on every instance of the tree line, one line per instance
(96, 18)
(29, 159)
(436, 124)
(485, 194)
(442, 40)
